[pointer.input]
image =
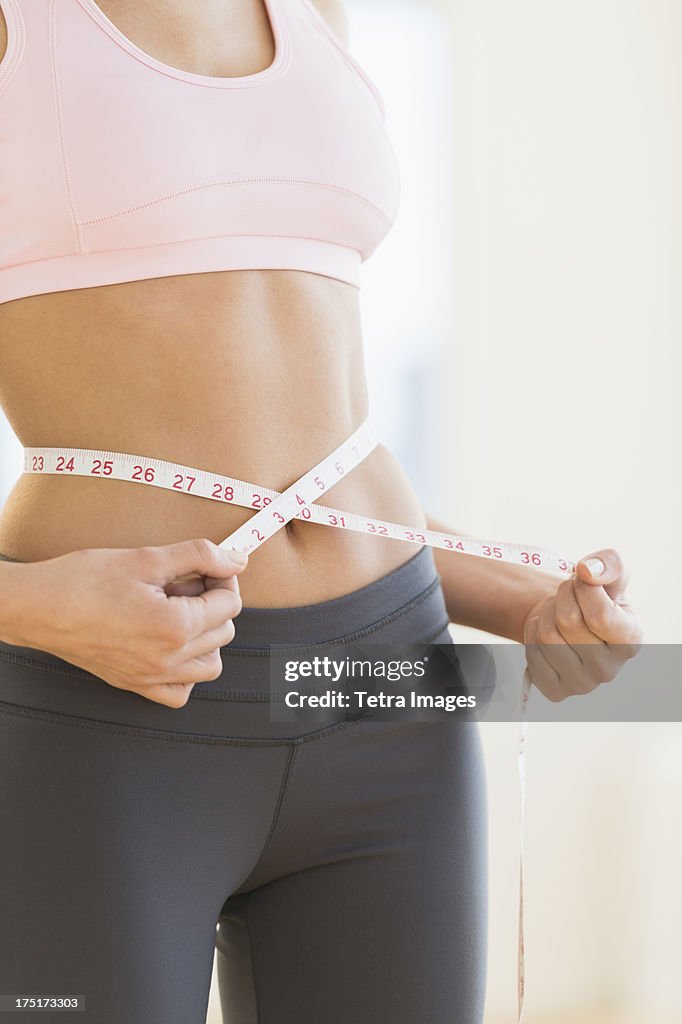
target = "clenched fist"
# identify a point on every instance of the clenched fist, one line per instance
(583, 633)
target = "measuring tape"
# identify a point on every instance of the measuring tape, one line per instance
(274, 509)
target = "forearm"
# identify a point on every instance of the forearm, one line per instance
(487, 594)
(17, 603)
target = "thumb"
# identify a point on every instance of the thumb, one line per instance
(200, 556)
(604, 568)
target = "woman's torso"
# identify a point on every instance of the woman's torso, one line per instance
(255, 374)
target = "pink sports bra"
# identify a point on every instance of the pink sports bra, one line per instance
(116, 167)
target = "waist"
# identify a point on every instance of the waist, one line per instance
(49, 515)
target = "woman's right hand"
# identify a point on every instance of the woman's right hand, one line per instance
(117, 613)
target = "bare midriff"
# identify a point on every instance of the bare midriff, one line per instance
(254, 374)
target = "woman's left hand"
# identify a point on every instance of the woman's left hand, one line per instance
(583, 633)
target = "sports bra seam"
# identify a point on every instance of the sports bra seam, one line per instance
(57, 97)
(16, 41)
(222, 183)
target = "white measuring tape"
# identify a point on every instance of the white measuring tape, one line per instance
(274, 509)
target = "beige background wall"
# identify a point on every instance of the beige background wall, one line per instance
(564, 424)
(565, 420)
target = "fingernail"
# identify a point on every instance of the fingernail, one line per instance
(238, 557)
(595, 566)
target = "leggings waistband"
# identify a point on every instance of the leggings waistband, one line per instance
(404, 608)
(364, 611)
(376, 613)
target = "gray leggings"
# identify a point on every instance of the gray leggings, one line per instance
(337, 867)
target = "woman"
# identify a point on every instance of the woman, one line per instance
(187, 194)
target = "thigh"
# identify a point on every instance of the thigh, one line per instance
(117, 852)
(373, 903)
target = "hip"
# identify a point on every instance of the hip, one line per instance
(400, 615)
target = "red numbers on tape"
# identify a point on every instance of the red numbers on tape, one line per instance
(451, 544)
(184, 483)
(301, 501)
